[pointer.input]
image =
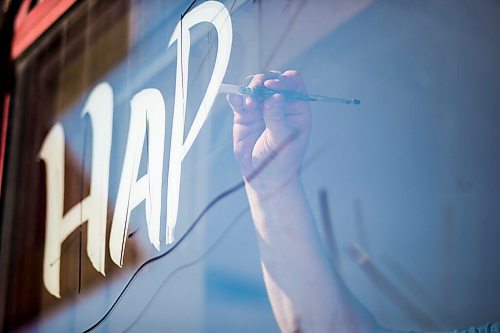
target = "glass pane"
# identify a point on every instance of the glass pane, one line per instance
(121, 158)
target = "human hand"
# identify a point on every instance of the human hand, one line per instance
(274, 130)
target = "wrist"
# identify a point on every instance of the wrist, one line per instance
(273, 190)
(265, 185)
(276, 208)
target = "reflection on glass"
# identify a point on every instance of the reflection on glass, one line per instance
(402, 188)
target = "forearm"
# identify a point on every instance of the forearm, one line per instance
(305, 293)
(270, 139)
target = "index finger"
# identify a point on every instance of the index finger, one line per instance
(289, 80)
(259, 79)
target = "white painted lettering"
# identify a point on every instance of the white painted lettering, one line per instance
(147, 109)
(215, 13)
(93, 208)
(147, 119)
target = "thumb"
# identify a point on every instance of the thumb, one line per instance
(274, 114)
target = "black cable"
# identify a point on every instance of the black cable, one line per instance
(224, 233)
(189, 8)
(212, 203)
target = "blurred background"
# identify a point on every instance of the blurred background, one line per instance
(404, 188)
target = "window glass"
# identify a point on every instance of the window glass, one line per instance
(118, 123)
